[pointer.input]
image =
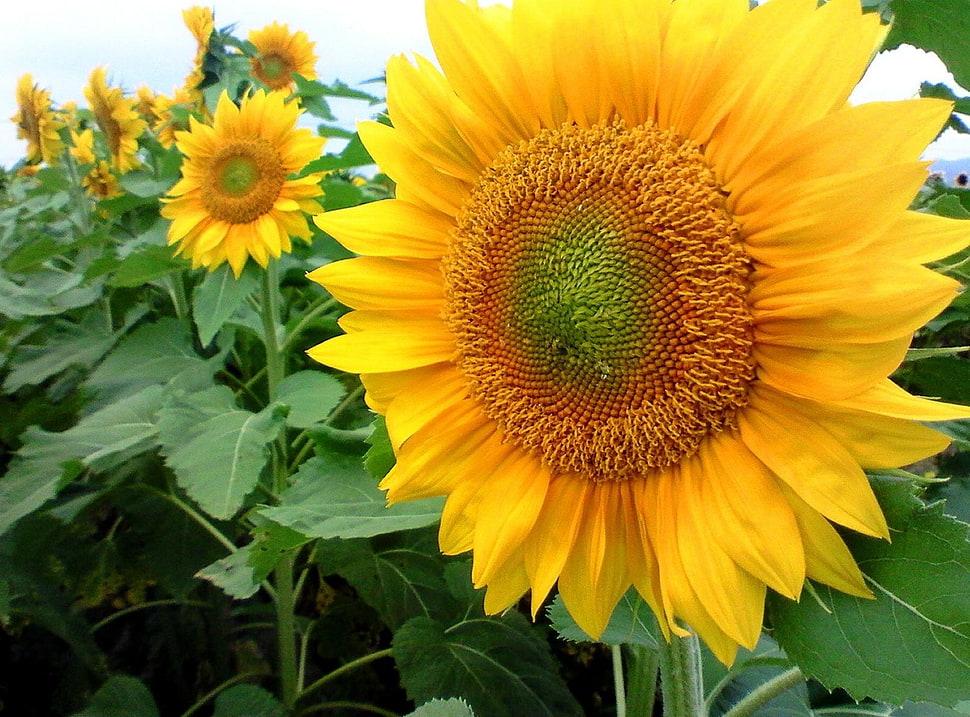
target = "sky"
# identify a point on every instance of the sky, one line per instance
(60, 41)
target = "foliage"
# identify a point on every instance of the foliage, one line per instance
(190, 505)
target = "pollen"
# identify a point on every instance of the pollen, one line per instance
(596, 288)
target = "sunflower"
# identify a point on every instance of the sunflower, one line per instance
(201, 23)
(280, 55)
(622, 311)
(101, 183)
(118, 119)
(37, 123)
(236, 198)
(171, 113)
(82, 146)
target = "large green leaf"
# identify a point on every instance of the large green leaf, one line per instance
(216, 450)
(247, 701)
(100, 441)
(155, 354)
(498, 665)
(941, 26)
(217, 297)
(334, 497)
(399, 575)
(913, 641)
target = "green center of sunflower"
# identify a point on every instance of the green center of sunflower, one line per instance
(243, 180)
(274, 66)
(274, 70)
(597, 292)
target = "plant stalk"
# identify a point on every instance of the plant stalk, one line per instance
(681, 677)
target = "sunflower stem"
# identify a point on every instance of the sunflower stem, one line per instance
(642, 664)
(681, 677)
(283, 573)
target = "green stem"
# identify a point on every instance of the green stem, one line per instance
(324, 305)
(642, 664)
(176, 291)
(619, 686)
(344, 669)
(681, 677)
(271, 315)
(286, 630)
(348, 705)
(145, 606)
(235, 679)
(765, 693)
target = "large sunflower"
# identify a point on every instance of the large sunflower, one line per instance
(118, 119)
(280, 55)
(236, 198)
(37, 123)
(635, 303)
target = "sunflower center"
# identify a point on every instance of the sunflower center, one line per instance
(597, 292)
(274, 67)
(243, 180)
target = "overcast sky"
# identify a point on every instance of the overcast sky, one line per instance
(60, 41)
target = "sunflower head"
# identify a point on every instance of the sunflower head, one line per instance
(101, 182)
(118, 120)
(281, 54)
(37, 123)
(615, 313)
(82, 146)
(238, 197)
(201, 23)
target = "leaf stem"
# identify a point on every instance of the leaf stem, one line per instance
(323, 305)
(681, 676)
(344, 669)
(145, 606)
(618, 684)
(766, 692)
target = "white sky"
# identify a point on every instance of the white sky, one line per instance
(60, 41)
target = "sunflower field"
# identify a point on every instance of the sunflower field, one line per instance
(615, 363)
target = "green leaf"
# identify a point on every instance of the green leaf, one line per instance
(401, 576)
(940, 26)
(217, 297)
(334, 497)
(247, 701)
(913, 641)
(102, 440)
(453, 707)
(155, 354)
(147, 264)
(233, 575)
(500, 666)
(632, 623)
(216, 450)
(353, 155)
(311, 396)
(379, 458)
(121, 696)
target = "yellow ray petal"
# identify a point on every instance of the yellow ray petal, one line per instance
(508, 585)
(388, 343)
(413, 409)
(830, 373)
(827, 558)
(379, 282)
(533, 35)
(810, 461)
(923, 238)
(888, 399)
(418, 181)
(554, 533)
(480, 65)
(389, 228)
(814, 305)
(822, 148)
(749, 516)
(508, 513)
(382, 388)
(431, 461)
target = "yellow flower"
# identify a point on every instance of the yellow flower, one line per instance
(280, 55)
(167, 123)
(82, 148)
(37, 123)
(236, 198)
(101, 183)
(118, 120)
(201, 22)
(623, 310)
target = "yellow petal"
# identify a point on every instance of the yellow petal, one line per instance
(411, 410)
(389, 228)
(923, 237)
(888, 399)
(379, 282)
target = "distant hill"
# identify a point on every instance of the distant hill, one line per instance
(950, 168)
